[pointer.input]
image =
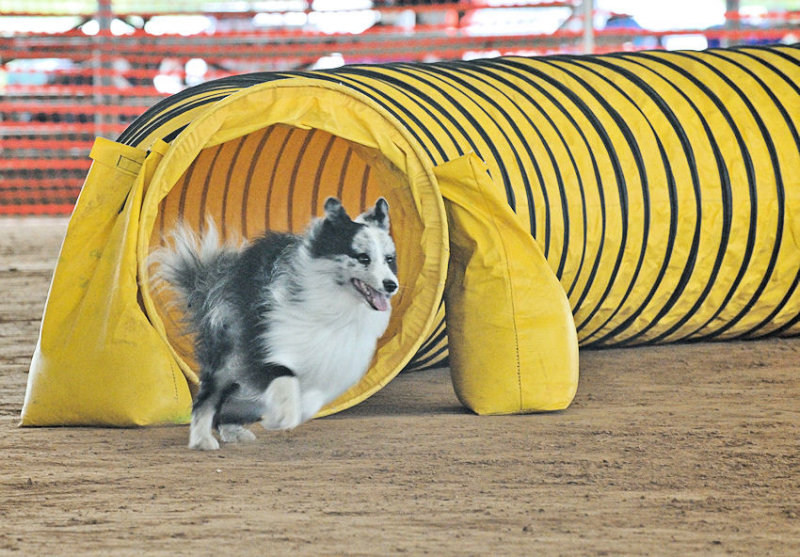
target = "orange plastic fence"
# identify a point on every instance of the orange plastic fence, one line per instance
(60, 91)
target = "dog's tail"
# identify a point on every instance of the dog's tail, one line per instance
(194, 267)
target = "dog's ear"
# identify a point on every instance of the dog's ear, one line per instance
(377, 216)
(333, 234)
(334, 210)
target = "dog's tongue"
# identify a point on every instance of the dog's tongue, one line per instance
(379, 301)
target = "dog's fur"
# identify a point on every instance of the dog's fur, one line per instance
(285, 324)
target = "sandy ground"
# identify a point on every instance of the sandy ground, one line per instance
(672, 450)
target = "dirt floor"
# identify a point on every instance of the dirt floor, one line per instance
(672, 450)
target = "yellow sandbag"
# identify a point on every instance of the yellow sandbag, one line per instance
(98, 360)
(513, 345)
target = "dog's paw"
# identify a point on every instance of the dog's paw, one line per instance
(203, 443)
(234, 433)
(284, 409)
(200, 435)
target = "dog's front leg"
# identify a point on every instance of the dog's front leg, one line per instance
(312, 401)
(284, 407)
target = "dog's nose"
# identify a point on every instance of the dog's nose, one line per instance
(389, 285)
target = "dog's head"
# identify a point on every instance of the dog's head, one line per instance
(360, 250)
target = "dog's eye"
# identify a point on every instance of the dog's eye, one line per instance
(363, 258)
(390, 259)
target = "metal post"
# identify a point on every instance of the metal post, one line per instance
(100, 63)
(587, 12)
(731, 24)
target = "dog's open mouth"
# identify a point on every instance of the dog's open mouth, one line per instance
(376, 300)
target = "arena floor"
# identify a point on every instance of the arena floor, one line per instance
(674, 450)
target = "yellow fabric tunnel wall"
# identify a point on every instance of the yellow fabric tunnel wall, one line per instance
(611, 200)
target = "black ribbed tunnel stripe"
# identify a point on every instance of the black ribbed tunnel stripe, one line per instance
(522, 71)
(793, 129)
(343, 171)
(725, 191)
(688, 152)
(271, 181)
(465, 70)
(162, 112)
(323, 160)
(173, 134)
(784, 54)
(391, 104)
(399, 110)
(780, 193)
(482, 72)
(296, 171)
(207, 183)
(439, 333)
(438, 336)
(498, 67)
(433, 352)
(619, 178)
(793, 58)
(751, 185)
(423, 361)
(185, 192)
(229, 178)
(686, 147)
(643, 179)
(418, 73)
(152, 120)
(671, 189)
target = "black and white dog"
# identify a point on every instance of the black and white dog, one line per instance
(285, 324)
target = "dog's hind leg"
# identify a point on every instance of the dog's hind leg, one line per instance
(242, 407)
(200, 436)
(204, 412)
(235, 433)
(233, 411)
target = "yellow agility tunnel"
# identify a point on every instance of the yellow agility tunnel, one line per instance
(610, 200)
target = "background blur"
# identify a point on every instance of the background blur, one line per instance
(71, 70)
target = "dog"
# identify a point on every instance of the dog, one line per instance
(284, 324)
